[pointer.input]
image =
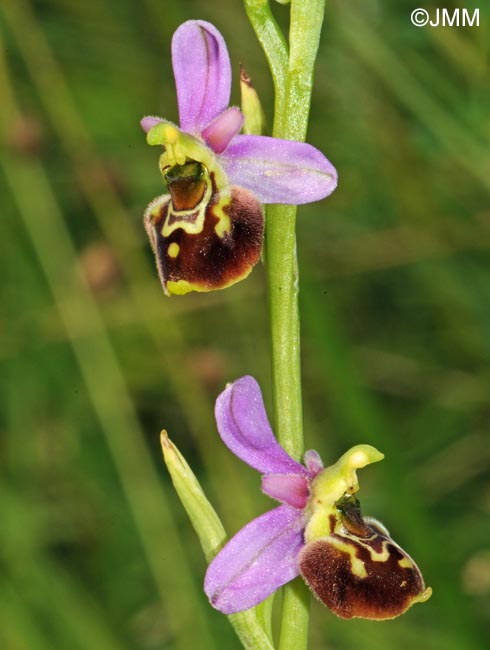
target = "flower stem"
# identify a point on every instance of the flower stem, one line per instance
(272, 41)
(290, 121)
(282, 278)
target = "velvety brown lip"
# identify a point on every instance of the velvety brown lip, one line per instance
(205, 260)
(359, 571)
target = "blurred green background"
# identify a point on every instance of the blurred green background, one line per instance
(95, 549)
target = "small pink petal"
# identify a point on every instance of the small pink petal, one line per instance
(288, 488)
(313, 461)
(149, 121)
(223, 129)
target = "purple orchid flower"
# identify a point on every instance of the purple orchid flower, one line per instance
(208, 232)
(350, 562)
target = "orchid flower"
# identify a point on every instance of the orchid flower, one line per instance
(207, 232)
(349, 561)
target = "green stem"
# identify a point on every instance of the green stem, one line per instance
(290, 121)
(282, 277)
(273, 43)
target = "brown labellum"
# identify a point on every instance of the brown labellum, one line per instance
(358, 570)
(203, 239)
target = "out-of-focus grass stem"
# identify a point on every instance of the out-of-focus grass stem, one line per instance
(44, 588)
(450, 133)
(106, 387)
(116, 223)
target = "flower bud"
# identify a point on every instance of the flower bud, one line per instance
(252, 110)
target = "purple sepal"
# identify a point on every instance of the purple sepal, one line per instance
(279, 171)
(202, 73)
(288, 488)
(245, 430)
(258, 560)
(220, 132)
